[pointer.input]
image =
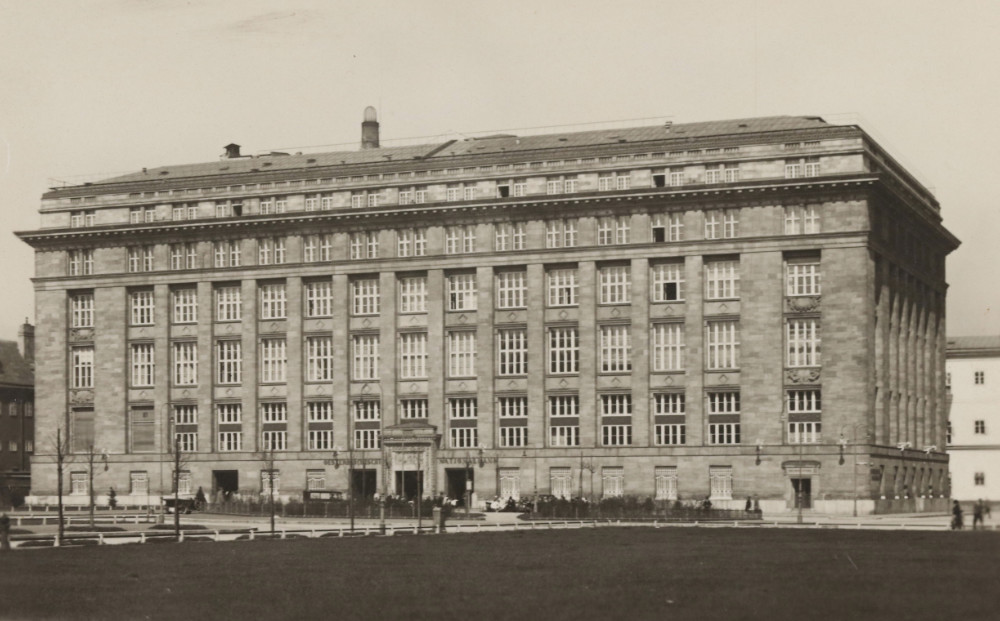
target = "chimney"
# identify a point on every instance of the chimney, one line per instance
(26, 341)
(232, 151)
(369, 129)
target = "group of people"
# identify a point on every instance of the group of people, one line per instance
(980, 511)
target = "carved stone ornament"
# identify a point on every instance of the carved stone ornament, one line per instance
(81, 334)
(804, 304)
(802, 376)
(81, 396)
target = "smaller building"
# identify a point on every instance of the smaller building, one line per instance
(973, 368)
(17, 415)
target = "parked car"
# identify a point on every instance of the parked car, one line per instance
(185, 503)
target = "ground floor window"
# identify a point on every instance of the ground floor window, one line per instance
(613, 481)
(666, 483)
(78, 483)
(510, 484)
(561, 482)
(270, 479)
(138, 483)
(721, 482)
(315, 479)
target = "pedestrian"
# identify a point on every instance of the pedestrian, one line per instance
(956, 512)
(4, 532)
(977, 515)
(749, 505)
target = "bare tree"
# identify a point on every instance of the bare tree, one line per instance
(267, 456)
(61, 446)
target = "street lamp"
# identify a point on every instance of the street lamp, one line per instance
(90, 477)
(854, 456)
(350, 478)
(471, 459)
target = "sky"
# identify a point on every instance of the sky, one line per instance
(110, 86)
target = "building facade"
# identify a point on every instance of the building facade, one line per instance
(973, 434)
(721, 309)
(17, 415)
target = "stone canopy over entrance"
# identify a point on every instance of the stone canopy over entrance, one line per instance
(411, 454)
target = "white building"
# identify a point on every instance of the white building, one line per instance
(973, 367)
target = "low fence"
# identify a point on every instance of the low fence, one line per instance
(394, 508)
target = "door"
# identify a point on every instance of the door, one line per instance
(226, 482)
(456, 483)
(802, 489)
(363, 483)
(409, 483)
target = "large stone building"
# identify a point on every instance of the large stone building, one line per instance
(974, 420)
(17, 414)
(719, 309)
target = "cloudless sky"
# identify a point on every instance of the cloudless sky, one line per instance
(110, 86)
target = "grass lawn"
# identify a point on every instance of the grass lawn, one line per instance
(606, 573)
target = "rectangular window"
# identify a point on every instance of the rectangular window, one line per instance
(666, 482)
(227, 253)
(461, 354)
(512, 407)
(366, 357)
(979, 427)
(616, 405)
(464, 437)
(316, 479)
(462, 292)
(229, 359)
(616, 348)
(319, 358)
(413, 355)
(613, 230)
(271, 251)
(138, 483)
(411, 242)
(184, 256)
(185, 305)
(140, 259)
(142, 431)
(316, 248)
(142, 364)
(187, 441)
(668, 347)
(229, 413)
(413, 294)
(564, 409)
(78, 483)
(460, 239)
(723, 433)
(413, 409)
(228, 303)
(272, 301)
(81, 262)
(81, 430)
(668, 282)
(320, 411)
(365, 297)
(722, 345)
(274, 412)
(615, 284)
(668, 227)
(512, 352)
(721, 482)
(564, 405)
(82, 310)
(185, 414)
(722, 280)
(185, 363)
(804, 432)
(511, 437)
(511, 290)
(319, 298)
(616, 435)
(979, 478)
(669, 432)
(509, 236)
(613, 481)
(367, 411)
(564, 350)
(561, 483)
(802, 339)
(520, 187)
(141, 303)
(364, 245)
(801, 220)
(230, 441)
(562, 286)
(560, 233)
(802, 278)
(722, 224)
(82, 362)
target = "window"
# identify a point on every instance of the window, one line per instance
(228, 303)
(668, 282)
(668, 347)
(804, 426)
(461, 354)
(560, 234)
(138, 483)
(227, 253)
(139, 215)
(462, 292)
(668, 227)
(366, 356)
(78, 483)
(616, 284)
(274, 412)
(411, 242)
(613, 481)
(721, 224)
(185, 363)
(564, 412)
(142, 364)
(509, 236)
(184, 256)
(413, 294)
(413, 355)
(511, 290)
(272, 301)
(722, 344)
(463, 437)
(520, 187)
(185, 414)
(230, 441)
(365, 296)
(616, 425)
(723, 421)
(980, 377)
(463, 408)
(320, 436)
(185, 305)
(273, 204)
(613, 230)
(803, 342)
(82, 362)
(665, 478)
(413, 409)
(81, 262)
(979, 478)
(317, 248)
(564, 350)
(319, 358)
(808, 167)
(513, 413)
(802, 277)
(141, 303)
(315, 480)
(270, 480)
(82, 310)
(561, 482)
(229, 358)
(185, 211)
(271, 251)
(512, 352)
(319, 298)
(142, 431)
(81, 430)
(460, 239)
(364, 245)
(722, 279)
(719, 173)
(616, 349)
(721, 483)
(82, 218)
(670, 428)
(229, 413)
(562, 285)
(801, 220)
(614, 181)
(980, 427)
(273, 360)
(453, 192)
(140, 259)
(367, 416)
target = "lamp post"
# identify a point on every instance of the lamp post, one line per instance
(470, 460)
(854, 458)
(350, 479)
(90, 477)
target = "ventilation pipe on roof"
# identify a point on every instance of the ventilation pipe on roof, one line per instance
(369, 129)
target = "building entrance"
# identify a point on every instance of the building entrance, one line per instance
(802, 493)
(409, 483)
(226, 481)
(456, 483)
(363, 483)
